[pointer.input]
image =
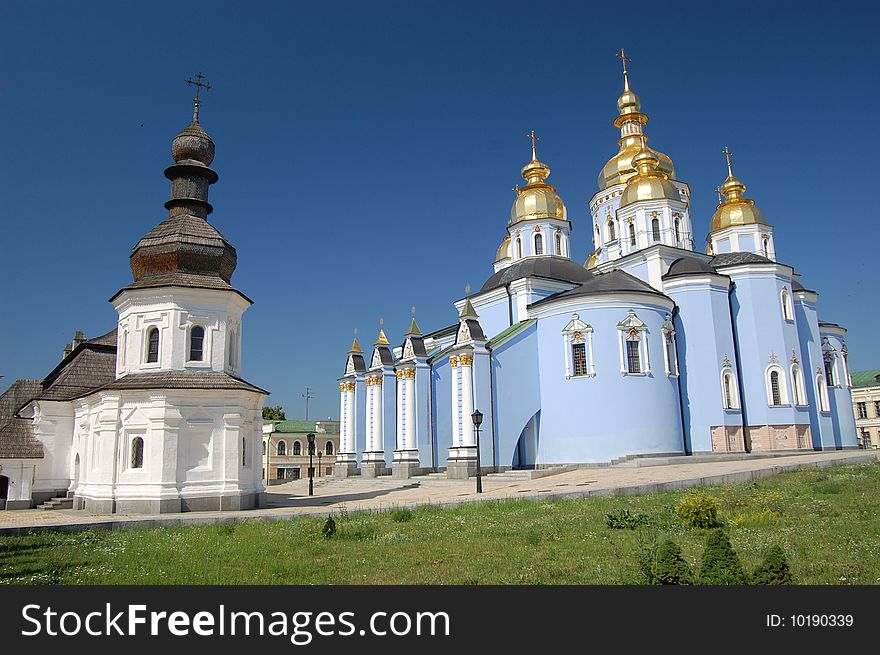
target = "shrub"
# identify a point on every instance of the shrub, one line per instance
(623, 518)
(774, 569)
(699, 510)
(401, 514)
(669, 567)
(329, 528)
(721, 566)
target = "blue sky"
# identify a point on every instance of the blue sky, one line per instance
(367, 151)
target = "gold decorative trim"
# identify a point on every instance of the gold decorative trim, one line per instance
(342, 386)
(453, 361)
(350, 386)
(409, 374)
(398, 373)
(467, 360)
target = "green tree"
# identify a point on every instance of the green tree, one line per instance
(721, 565)
(774, 569)
(274, 413)
(669, 566)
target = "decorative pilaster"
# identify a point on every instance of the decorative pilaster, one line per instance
(373, 461)
(462, 459)
(346, 459)
(406, 456)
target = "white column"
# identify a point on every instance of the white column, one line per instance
(368, 382)
(409, 378)
(343, 419)
(456, 427)
(400, 445)
(592, 369)
(378, 441)
(351, 410)
(467, 400)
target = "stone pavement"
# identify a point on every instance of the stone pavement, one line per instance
(356, 494)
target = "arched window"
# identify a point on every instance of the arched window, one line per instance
(558, 242)
(598, 239)
(577, 338)
(655, 229)
(282, 448)
(518, 248)
(797, 385)
(233, 342)
(633, 334)
(611, 235)
(297, 448)
(196, 343)
(677, 230)
(539, 244)
(632, 235)
(152, 345)
(137, 453)
(264, 448)
(787, 313)
(765, 246)
(776, 394)
(822, 393)
(329, 448)
(243, 452)
(728, 389)
(633, 357)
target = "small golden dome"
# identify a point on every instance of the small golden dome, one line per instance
(649, 183)
(503, 250)
(619, 168)
(628, 102)
(537, 199)
(735, 209)
(591, 261)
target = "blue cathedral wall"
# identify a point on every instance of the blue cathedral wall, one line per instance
(840, 397)
(821, 427)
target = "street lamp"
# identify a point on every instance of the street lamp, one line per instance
(477, 418)
(320, 454)
(311, 438)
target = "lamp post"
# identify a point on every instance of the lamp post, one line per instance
(320, 454)
(477, 418)
(311, 438)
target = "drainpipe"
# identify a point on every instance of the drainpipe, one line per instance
(747, 442)
(492, 405)
(509, 305)
(687, 448)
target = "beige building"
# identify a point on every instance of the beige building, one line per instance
(286, 449)
(866, 405)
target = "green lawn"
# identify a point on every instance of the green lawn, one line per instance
(827, 521)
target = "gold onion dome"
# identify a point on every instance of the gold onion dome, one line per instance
(591, 261)
(649, 183)
(536, 199)
(735, 209)
(503, 250)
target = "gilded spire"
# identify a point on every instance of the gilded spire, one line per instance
(623, 58)
(535, 140)
(355, 347)
(535, 171)
(726, 152)
(733, 206)
(381, 340)
(468, 310)
(413, 330)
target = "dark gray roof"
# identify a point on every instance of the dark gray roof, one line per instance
(827, 324)
(418, 344)
(689, 266)
(385, 355)
(16, 396)
(731, 258)
(88, 367)
(475, 329)
(613, 282)
(181, 380)
(17, 440)
(554, 268)
(108, 339)
(179, 279)
(359, 364)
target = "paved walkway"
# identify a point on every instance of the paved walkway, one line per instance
(356, 494)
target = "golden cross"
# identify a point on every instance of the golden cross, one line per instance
(467, 288)
(199, 86)
(726, 152)
(534, 139)
(622, 56)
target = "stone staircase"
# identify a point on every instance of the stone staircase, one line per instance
(60, 502)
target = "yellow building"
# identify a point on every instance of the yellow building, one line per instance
(866, 405)
(286, 449)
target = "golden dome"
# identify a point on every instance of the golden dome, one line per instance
(503, 250)
(591, 261)
(537, 199)
(650, 183)
(735, 209)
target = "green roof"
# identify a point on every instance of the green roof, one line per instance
(865, 378)
(295, 426)
(509, 332)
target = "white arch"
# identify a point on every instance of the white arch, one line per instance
(822, 393)
(797, 385)
(729, 389)
(780, 380)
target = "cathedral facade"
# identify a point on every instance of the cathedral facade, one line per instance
(650, 347)
(153, 416)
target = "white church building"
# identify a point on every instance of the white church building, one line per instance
(153, 416)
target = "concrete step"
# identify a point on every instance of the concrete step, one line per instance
(57, 503)
(531, 474)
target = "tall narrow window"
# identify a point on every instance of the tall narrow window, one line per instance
(677, 231)
(297, 448)
(655, 229)
(829, 370)
(539, 244)
(765, 247)
(671, 358)
(611, 235)
(727, 380)
(328, 449)
(282, 448)
(797, 385)
(632, 235)
(863, 410)
(774, 388)
(264, 448)
(196, 343)
(633, 359)
(558, 242)
(243, 452)
(786, 305)
(153, 345)
(518, 248)
(822, 391)
(137, 453)
(579, 358)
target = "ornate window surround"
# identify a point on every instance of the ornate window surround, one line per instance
(576, 331)
(632, 327)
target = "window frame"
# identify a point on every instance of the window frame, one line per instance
(294, 447)
(576, 332)
(148, 342)
(538, 243)
(656, 233)
(781, 385)
(632, 328)
(281, 445)
(189, 351)
(732, 389)
(136, 452)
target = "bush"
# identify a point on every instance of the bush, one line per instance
(721, 566)
(329, 528)
(623, 518)
(699, 510)
(669, 567)
(401, 514)
(774, 569)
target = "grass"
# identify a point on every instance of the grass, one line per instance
(826, 521)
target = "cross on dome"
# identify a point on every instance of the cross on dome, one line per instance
(199, 86)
